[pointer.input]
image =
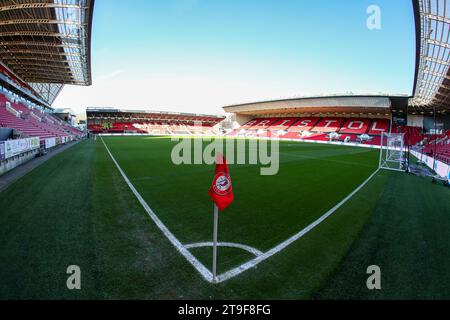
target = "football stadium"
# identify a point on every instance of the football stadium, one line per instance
(333, 196)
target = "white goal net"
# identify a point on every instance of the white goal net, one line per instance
(392, 152)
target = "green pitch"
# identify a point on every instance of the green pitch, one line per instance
(76, 209)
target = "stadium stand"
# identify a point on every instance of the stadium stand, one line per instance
(29, 121)
(29, 125)
(350, 130)
(435, 145)
(413, 135)
(111, 121)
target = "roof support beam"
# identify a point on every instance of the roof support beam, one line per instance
(51, 71)
(53, 81)
(439, 43)
(441, 94)
(52, 53)
(441, 97)
(46, 71)
(437, 18)
(43, 65)
(39, 34)
(38, 5)
(18, 60)
(436, 84)
(38, 21)
(40, 44)
(437, 74)
(438, 61)
(37, 77)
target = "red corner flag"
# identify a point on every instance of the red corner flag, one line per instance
(221, 190)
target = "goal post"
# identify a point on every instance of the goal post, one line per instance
(393, 152)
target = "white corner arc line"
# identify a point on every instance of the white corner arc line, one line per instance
(244, 247)
(205, 273)
(252, 263)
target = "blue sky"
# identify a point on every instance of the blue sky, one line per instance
(199, 55)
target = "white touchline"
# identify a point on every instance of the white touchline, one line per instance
(244, 247)
(206, 274)
(260, 256)
(250, 264)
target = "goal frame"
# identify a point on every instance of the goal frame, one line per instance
(393, 155)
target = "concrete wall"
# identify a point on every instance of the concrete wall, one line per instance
(11, 163)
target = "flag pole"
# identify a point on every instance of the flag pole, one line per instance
(216, 226)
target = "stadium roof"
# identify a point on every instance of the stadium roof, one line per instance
(339, 103)
(432, 85)
(47, 42)
(105, 111)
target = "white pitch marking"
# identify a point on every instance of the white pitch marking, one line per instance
(206, 274)
(250, 264)
(252, 250)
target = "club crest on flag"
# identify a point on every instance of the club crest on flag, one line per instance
(222, 184)
(221, 190)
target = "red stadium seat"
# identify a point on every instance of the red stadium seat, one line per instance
(304, 124)
(283, 124)
(33, 122)
(329, 125)
(378, 126)
(294, 135)
(355, 126)
(250, 124)
(318, 137)
(265, 123)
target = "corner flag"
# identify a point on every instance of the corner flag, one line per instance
(221, 190)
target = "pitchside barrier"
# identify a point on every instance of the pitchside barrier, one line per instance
(50, 143)
(16, 152)
(19, 146)
(437, 166)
